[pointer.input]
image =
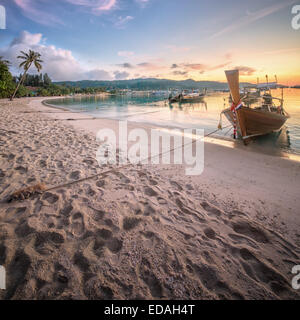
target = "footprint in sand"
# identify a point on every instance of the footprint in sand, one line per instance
(150, 279)
(21, 169)
(114, 245)
(211, 209)
(43, 163)
(210, 233)
(153, 182)
(97, 215)
(47, 242)
(261, 272)
(250, 230)
(100, 183)
(104, 233)
(66, 211)
(19, 160)
(176, 185)
(17, 271)
(50, 197)
(94, 289)
(14, 213)
(24, 229)
(130, 223)
(59, 164)
(150, 192)
(2, 254)
(2, 174)
(90, 192)
(77, 224)
(75, 175)
(81, 261)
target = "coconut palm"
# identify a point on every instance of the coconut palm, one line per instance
(5, 62)
(29, 58)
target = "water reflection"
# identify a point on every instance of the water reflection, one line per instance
(203, 115)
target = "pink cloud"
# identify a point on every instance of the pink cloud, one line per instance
(32, 12)
(96, 5)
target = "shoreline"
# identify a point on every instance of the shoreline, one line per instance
(213, 138)
(141, 232)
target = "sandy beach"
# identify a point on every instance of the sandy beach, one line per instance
(144, 231)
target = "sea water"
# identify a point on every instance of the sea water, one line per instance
(205, 115)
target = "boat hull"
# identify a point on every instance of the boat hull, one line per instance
(187, 99)
(256, 122)
(192, 99)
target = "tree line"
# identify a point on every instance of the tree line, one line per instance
(28, 85)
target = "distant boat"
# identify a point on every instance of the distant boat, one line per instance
(252, 122)
(186, 97)
(248, 94)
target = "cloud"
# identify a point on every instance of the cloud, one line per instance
(245, 71)
(125, 54)
(126, 65)
(59, 63)
(180, 73)
(121, 75)
(149, 66)
(27, 38)
(201, 67)
(122, 21)
(254, 16)
(96, 74)
(195, 66)
(33, 10)
(97, 6)
(36, 10)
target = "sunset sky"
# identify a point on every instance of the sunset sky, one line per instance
(173, 39)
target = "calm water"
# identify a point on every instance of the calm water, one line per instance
(204, 115)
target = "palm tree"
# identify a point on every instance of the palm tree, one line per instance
(29, 58)
(5, 62)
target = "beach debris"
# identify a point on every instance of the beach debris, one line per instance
(27, 192)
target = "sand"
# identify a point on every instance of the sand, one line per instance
(145, 231)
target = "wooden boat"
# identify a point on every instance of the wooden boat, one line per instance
(252, 122)
(188, 97)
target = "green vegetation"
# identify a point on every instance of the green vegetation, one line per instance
(151, 84)
(27, 85)
(7, 85)
(29, 58)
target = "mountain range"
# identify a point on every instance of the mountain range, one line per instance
(150, 84)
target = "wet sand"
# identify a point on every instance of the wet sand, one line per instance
(144, 231)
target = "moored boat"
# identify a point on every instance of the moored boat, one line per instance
(188, 97)
(251, 122)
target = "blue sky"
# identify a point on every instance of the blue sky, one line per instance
(177, 39)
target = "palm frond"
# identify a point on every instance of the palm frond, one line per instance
(29, 58)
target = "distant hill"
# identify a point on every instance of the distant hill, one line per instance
(150, 84)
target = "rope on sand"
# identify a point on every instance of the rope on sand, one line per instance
(39, 189)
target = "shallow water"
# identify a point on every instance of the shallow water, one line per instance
(204, 115)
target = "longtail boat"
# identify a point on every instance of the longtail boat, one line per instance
(251, 122)
(188, 97)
